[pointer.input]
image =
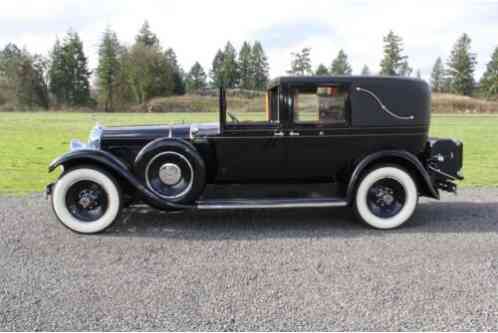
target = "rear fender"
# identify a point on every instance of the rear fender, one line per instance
(402, 158)
(112, 164)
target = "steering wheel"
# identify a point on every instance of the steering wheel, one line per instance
(233, 118)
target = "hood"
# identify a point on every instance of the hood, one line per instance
(152, 132)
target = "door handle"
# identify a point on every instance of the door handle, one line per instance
(292, 133)
(280, 133)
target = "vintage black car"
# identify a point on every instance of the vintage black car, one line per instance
(318, 142)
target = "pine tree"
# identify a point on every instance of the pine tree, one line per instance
(230, 68)
(461, 66)
(418, 74)
(58, 80)
(405, 69)
(152, 72)
(77, 67)
(438, 76)
(260, 67)
(177, 72)
(246, 68)
(108, 68)
(393, 61)
(301, 63)
(146, 36)
(216, 72)
(489, 81)
(340, 65)
(196, 78)
(69, 75)
(322, 70)
(365, 71)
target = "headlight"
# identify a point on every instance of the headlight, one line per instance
(95, 135)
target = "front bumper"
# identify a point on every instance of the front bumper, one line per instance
(48, 190)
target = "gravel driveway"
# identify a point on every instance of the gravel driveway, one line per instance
(252, 270)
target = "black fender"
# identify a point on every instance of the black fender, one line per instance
(393, 157)
(111, 163)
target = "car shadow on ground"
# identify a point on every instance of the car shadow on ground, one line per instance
(430, 217)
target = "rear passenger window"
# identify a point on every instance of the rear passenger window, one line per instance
(323, 105)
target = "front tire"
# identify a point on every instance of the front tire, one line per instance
(386, 197)
(87, 200)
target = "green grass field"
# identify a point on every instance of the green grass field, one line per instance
(29, 141)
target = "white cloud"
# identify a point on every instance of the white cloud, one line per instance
(196, 29)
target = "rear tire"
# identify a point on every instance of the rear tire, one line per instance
(87, 200)
(386, 197)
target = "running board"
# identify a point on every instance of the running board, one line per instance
(213, 204)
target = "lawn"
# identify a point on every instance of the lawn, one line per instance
(29, 141)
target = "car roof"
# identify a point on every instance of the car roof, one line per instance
(327, 79)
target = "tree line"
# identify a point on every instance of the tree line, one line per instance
(125, 75)
(456, 76)
(133, 74)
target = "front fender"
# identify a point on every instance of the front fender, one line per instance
(392, 157)
(114, 165)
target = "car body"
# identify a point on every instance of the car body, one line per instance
(318, 141)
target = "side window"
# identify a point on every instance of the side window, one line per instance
(252, 107)
(321, 105)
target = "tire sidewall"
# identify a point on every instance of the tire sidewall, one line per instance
(108, 184)
(407, 182)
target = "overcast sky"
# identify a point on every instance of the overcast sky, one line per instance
(196, 29)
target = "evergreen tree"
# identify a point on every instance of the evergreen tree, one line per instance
(146, 37)
(260, 67)
(438, 76)
(419, 74)
(405, 69)
(58, 80)
(230, 68)
(365, 71)
(177, 72)
(322, 70)
(461, 66)
(246, 68)
(152, 72)
(108, 68)
(196, 78)
(216, 72)
(69, 75)
(301, 63)
(340, 65)
(489, 81)
(393, 62)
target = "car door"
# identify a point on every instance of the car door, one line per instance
(252, 145)
(317, 145)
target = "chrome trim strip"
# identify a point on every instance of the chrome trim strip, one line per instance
(207, 206)
(383, 106)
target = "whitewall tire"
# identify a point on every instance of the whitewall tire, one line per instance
(86, 200)
(386, 197)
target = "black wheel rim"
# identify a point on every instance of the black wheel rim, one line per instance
(386, 198)
(170, 191)
(87, 201)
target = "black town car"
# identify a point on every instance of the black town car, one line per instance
(321, 142)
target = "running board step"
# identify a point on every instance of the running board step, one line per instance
(212, 204)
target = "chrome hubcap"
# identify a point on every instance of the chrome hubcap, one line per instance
(170, 174)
